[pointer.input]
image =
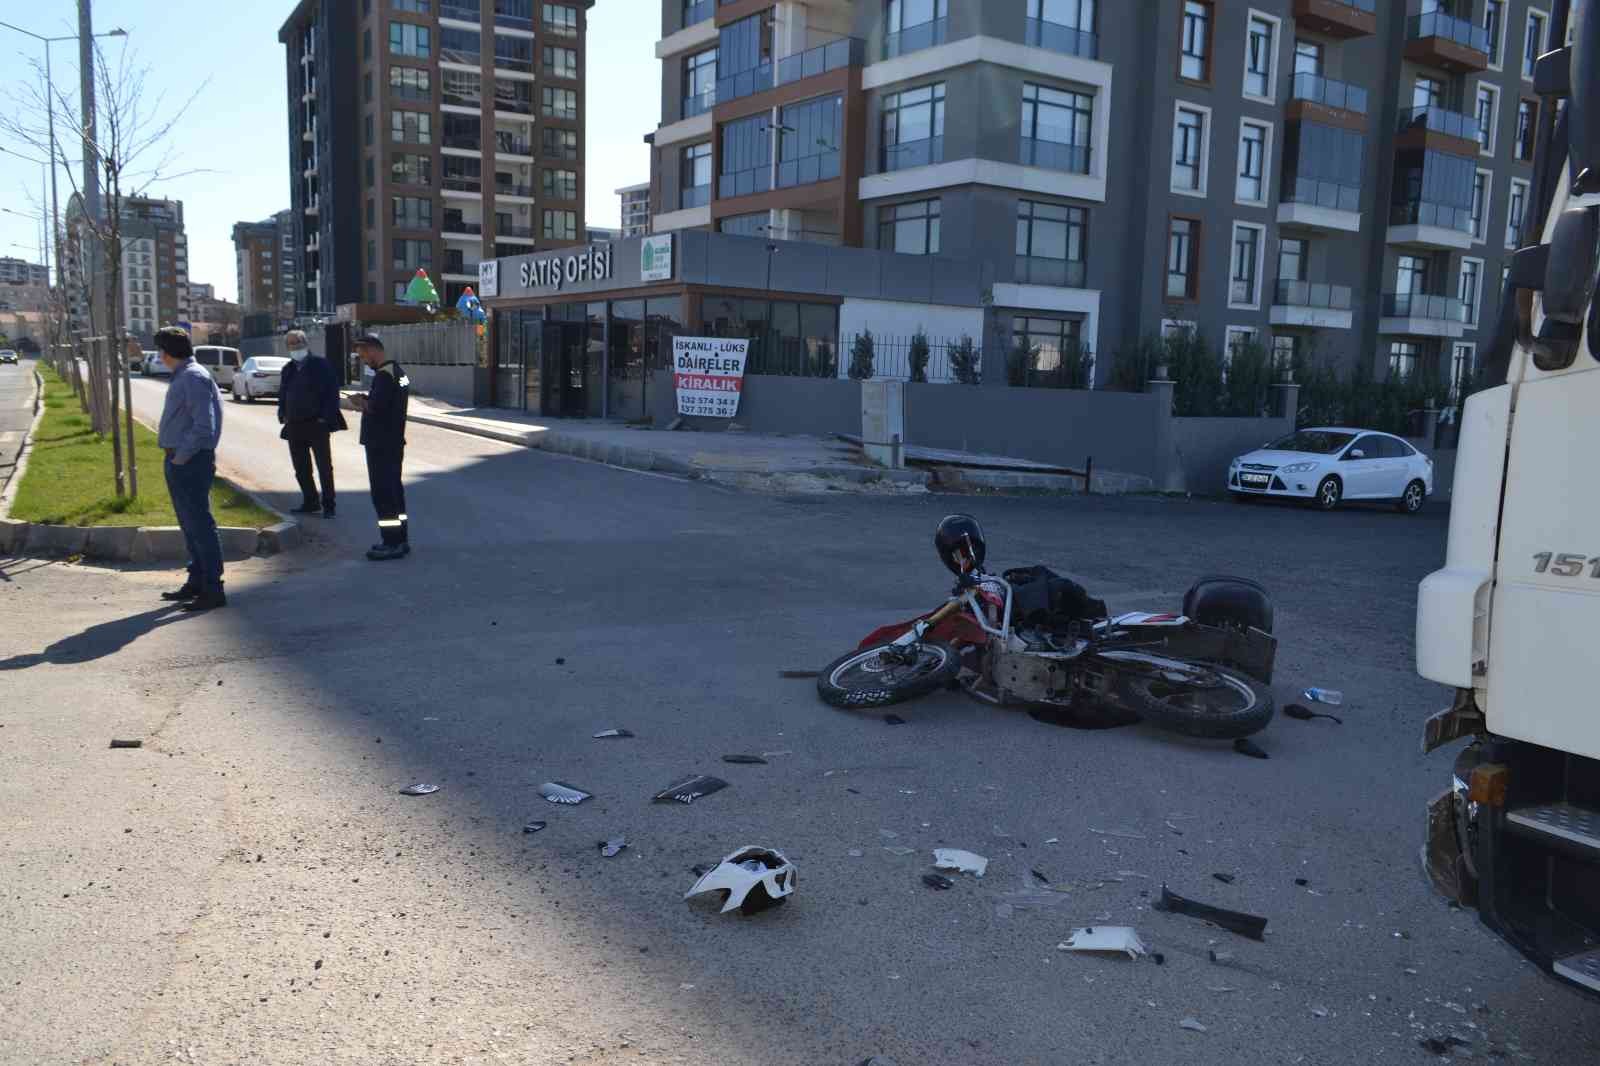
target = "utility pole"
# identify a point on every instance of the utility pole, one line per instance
(91, 205)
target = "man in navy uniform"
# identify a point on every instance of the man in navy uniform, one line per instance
(308, 408)
(383, 434)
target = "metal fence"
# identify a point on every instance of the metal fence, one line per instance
(432, 344)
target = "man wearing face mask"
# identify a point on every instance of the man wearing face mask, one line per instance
(308, 407)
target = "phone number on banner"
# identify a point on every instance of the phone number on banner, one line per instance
(708, 406)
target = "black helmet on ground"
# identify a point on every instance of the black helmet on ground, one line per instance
(960, 544)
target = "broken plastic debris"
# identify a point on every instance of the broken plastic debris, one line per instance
(1442, 1045)
(963, 861)
(1193, 1025)
(690, 789)
(1306, 714)
(556, 792)
(1246, 746)
(419, 790)
(937, 881)
(1053, 840)
(799, 675)
(855, 853)
(887, 834)
(608, 734)
(1331, 696)
(752, 878)
(613, 847)
(1123, 833)
(1226, 879)
(1246, 925)
(127, 743)
(893, 719)
(745, 760)
(895, 850)
(1319, 1012)
(1113, 939)
(1043, 880)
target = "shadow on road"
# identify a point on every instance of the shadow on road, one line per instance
(97, 642)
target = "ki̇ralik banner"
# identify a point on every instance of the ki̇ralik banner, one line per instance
(709, 373)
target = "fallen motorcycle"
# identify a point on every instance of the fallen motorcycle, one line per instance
(1032, 639)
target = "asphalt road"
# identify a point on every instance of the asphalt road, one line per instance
(16, 412)
(249, 886)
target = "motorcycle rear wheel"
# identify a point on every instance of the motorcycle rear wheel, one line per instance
(886, 673)
(1213, 702)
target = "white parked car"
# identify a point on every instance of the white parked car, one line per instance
(1331, 464)
(154, 367)
(222, 362)
(261, 375)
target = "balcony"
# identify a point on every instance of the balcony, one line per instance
(1338, 18)
(908, 154)
(1434, 127)
(513, 191)
(745, 83)
(459, 12)
(1441, 40)
(471, 188)
(1313, 305)
(834, 55)
(744, 182)
(507, 144)
(457, 227)
(1061, 273)
(1053, 155)
(808, 169)
(916, 38)
(461, 57)
(511, 64)
(1425, 224)
(462, 142)
(1419, 315)
(698, 12)
(512, 22)
(1326, 93)
(513, 232)
(473, 101)
(1057, 37)
(1320, 205)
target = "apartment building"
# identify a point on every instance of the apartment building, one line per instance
(14, 271)
(635, 200)
(1342, 178)
(431, 134)
(155, 266)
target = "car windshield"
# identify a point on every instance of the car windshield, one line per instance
(1315, 441)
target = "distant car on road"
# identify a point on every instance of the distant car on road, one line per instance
(8, 355)
(154, 367)
(261, 375)
(1331, 464)
(223, 363)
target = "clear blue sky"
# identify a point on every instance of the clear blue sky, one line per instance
(237, 129)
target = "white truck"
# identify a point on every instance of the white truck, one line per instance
(1512, 621)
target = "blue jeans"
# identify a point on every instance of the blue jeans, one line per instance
(190, 488)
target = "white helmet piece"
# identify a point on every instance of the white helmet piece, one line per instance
(754, 879)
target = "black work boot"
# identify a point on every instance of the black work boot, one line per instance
(209, 598)
(307, 507)
(189, 591)
(382, 552)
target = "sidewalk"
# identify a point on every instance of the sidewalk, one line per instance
(750, 460)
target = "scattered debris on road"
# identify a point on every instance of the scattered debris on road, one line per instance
(1246, 746)
(1246, 925)
(799, 675)
(1331, 696)
(557, 792)
(613, 734)
(1125, 834)
(1226, 879)
(1192, 1024)
(1220, 958)
(876, 1060)
(1106, 939)
(752, 878)
(534, 827)
(966, 862)
(127, 743)
(893, 719)
(939, 881)
(745, 760)
(612, 848)
(690, 789)
(419, 789)
(1302, 882)
(561, 662)
(1041, 878)
(1306, 714)
(1442, 1045)
(897, 850)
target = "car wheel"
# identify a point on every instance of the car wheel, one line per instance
(249, 397)
(235, 393)
(1329, 493)
(1416, 495)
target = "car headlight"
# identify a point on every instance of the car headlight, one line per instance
(1298, 468)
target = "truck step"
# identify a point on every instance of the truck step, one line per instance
(1582, 969)
(1578, 826)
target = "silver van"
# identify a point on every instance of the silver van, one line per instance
(223, 363)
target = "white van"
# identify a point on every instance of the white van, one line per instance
(222, 362)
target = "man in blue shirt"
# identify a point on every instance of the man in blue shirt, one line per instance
(191, 427)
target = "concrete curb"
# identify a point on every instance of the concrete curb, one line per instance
(1109, 483)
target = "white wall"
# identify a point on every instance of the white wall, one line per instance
(895, 319)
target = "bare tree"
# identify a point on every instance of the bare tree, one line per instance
(128, 136)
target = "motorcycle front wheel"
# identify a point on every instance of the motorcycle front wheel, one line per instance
(887, 673)
(1196, 700)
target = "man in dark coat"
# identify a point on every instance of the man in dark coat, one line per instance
(308, 407)
(383, 434)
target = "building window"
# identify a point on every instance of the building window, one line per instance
(412, 212)
(406, 39)
(808, 141)
(913, 128)
(751, 225)
(1308, 58)
(1527, 130)
(560, 62)
(559, 144)
(699, 83)
(560, 184)
(460, 46)
(1488, 108)
(1285, 351)
(911, 25)
(1194, 63)
(1470, 290)
(410, 83)
(366, 44)
(1236, 338)
(1253, 140)
(1403, 359)
(1056, 127)
(1463, 369)
(418, 7)
(1291, 259)
(1050, 353)
(560, 20)
(1183, 258)
(1261, 57)
(371, 169)
(366, 134)
(366, 87)
(411, 127)
(372, 256)
(1051, 240)
(413, 255)
(1245, 288)
(1189, 150)
(409, 169)
(1533, 43)
(1494, 23)
(1427, 93)
(696, 176)
(513, 97)
(372, 212)
(1514, 212)
(560, 225)
(1481, 184)
(560, 103)
(910, 229)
